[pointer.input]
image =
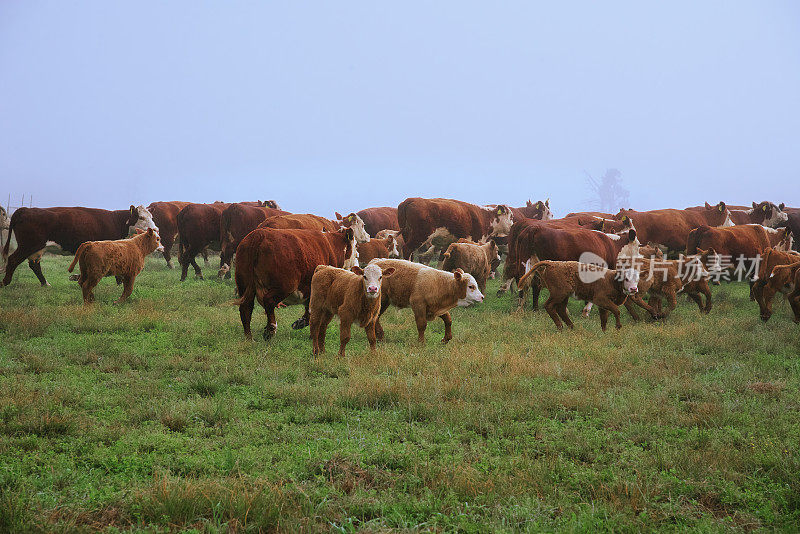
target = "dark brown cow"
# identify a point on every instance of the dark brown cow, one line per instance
(67, 227)
(765, 213)
(435, 223)
(793, 224)
(532, 210)
(165, 216)
(377, 219)
(272, 264)
(670, 227)
(198, 227)
(238, 220)
(300, 221)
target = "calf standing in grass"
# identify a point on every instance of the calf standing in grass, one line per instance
(607, 288)
(353, 296)
(429, 292)
(472, 258)
(123, 258)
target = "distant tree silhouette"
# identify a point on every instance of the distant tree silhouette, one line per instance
(608, 194)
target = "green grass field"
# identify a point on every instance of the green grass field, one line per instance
(157, 416)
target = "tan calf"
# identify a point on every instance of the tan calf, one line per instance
(782, 278)
(123, 258)
(353, 296)
(377, 248)
(429, 292)
(606, 288)
(472, 258)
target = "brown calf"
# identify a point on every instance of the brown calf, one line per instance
(606, 288)
(776, 275)
(123, 258)
(472, 258)
(429, 292)
(353, 296)
(377, 248)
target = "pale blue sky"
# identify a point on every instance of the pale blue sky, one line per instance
(329, 106)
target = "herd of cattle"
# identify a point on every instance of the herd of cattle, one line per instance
(346, 266)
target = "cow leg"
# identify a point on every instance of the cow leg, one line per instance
(197, 272)
(603, 318)
(36, 267)
(422, 324)
(707, 292)
(448, 327)
(550, 306)
(587, 309)
(272, 322)
(303, 321)
(344, 336)
(696, 298)
(371, 338)
(536, 288)
(167, 244)
(204, 252)
(637, 299)
(319, 327)
(378, 327)
(561, 309)
(15, 259)
(127, 288)
(631, 309)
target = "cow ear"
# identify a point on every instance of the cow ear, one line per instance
(134, 211)
(150, 231)
(781, 206)
(338, 216)
(358, 270)
(458, 273)
(529, 203)
(708, 206)
(538, 204)
(631, 235)
(765, 208)
(349, 234)
(389, 271)
(721, 206)
(755, 205)
(138, 231)
(547, 202)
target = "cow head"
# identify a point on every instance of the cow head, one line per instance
(141, 218)
(372, 276)
(269, 204)
(467, 286)
(350, 251)
(719, 215)
(391, 244)
(768, 214)
(501, 220)
(356, 223)
(539, 210)
(785, 239)
(152, 240)
(613, 226)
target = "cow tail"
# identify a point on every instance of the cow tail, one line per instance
(8, 239)
(78, 254)
(523, 282)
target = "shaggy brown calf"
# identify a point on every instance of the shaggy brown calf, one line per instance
(607, 288)
(377, 248)
(353, 296)
(123, 258)
(429, 292)
(781, 279)
(472, 258)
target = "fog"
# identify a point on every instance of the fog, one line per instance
(345, 105)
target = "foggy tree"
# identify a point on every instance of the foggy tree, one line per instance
(608, 193)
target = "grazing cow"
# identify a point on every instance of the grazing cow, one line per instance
(356, 223)
(429, 292)
(198, 227)
(300, 221)
(783, 278)
(607, 288)
(532, 210)
(353, 296)
(670, 227)
(435, 223)
(377, 248)
(122, 258)
(377, 219)
(236, 221)
(546, 242)
(472, 258)
(765, 213)
(741, 244)
(272, 264)
(67, 227)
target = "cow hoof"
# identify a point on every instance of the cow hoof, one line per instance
(169, 265)
(765, 318)
(446, 339)
(300, 323)
(268, 333)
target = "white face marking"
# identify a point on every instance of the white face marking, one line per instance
(728, 221)
(630, 281)
(145, 220)
(352, 261)
(546, 213)
(474, 294)
(357, 224)
(372, 280)
(501, 224)
(776, 218)
(392, 242)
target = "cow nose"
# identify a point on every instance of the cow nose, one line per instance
(372, 289)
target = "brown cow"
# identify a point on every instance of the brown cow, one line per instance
(236, 221)
(377, 248)
(737, 247)
(272, 264)
(300, 221)
(353, 296)
(165, 216)
(607, 288)
(532, 210)
(472, 258)
(783, 278)
(67, 227)
(198, 227)
(429, 292)
(354, 221)
(670, 227)
(435, 223)
(766, 285)
(123, 258)
(377, 219)
(765, 213)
